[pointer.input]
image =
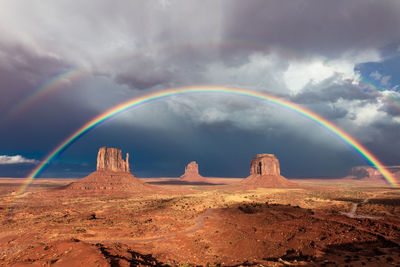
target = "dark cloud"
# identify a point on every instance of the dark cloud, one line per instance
(384, 140)
(22, 71)
(391, 106)
(148, 46)
(140, 80)
(324, 27)
(329, 91)
(165, 66)
(220, 151)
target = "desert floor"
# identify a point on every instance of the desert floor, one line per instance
(323, 223)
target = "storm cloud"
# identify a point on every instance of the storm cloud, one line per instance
(310, 52)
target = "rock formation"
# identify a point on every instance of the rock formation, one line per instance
(112, 175)
(192, 169)
(265, 172)
(110, 159)
(371, 173)
(192, 173)
(361, 172)
(265, 164)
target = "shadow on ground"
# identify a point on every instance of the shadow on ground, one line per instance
(171, 182)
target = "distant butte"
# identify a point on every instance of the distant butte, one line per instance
(192, 173)
(265, 172)
(112, 174)
(369, 173)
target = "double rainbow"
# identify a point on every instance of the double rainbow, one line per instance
(137, 101)
(46, 89)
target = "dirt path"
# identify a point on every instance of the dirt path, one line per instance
(199, 225)
(353, 212)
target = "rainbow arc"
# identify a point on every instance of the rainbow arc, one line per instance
(138, 101)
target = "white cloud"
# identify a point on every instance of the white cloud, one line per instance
(17, 159)
(299, 74)
(367, 114)
(376, 75)
(386, 80)
(316, 70)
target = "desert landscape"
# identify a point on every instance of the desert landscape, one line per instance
(112, 218)
(199, 133)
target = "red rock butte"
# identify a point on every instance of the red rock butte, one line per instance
(192, 173)
(371, 173)
(112, 174)
(110, 159)
(265, 172)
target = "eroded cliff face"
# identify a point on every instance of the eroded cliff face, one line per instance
(265, 164)
(369, 172)
(361, 172)
(110, 159)
(265, 172)
(192, 168)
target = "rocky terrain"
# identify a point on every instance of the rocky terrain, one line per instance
(100, 181)
(209, 225)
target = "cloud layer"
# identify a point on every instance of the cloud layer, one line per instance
(336, 58)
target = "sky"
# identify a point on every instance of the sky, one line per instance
(64, 62)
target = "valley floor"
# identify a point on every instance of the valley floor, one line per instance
(323, 223)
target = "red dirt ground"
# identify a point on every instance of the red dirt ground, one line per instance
(201, 225)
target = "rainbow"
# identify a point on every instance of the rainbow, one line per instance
(370, 82)
(392, 98)
(137, 101)
(46, 88)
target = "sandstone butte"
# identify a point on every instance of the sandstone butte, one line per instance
(371, 173)
(112, 174)
(192, 173)
(265, 172)
(110, 159)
